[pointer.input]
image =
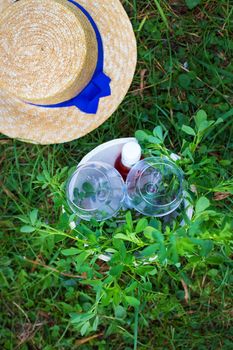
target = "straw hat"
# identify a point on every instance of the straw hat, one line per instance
(65, 66)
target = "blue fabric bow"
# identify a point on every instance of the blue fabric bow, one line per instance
(88, 99)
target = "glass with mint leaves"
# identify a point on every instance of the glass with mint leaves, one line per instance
(95, 191)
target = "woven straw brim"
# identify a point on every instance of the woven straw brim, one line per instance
(48, 126)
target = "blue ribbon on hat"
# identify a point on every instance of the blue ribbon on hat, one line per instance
(88, 99)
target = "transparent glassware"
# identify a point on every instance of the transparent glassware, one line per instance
(95, 191)
(154, 187)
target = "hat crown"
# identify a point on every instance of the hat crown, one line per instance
(48, 50)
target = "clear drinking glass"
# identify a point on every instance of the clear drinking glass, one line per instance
(95, 190)
(154, 187)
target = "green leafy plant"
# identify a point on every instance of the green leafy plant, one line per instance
(192, 3)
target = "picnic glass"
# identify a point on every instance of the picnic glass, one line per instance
(95, 191)
(154, 187)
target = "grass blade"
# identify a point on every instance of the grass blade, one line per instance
(162, 14)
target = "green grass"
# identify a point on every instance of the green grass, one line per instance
(181, 302)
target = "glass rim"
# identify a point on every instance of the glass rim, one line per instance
(164, 213)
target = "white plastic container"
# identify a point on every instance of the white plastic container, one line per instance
(108, 153)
